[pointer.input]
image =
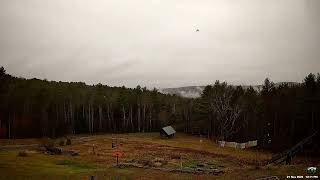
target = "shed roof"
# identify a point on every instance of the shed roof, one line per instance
(168, 130)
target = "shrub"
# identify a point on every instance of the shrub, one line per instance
(61, 143)
(22, 154)
(68, 141)
(47, 142)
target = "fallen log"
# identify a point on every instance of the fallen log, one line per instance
(57, 151)
(53, 150)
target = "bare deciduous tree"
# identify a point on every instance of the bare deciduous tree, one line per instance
(225, 109)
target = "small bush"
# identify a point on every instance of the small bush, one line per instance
(47, 142)
(22, 154)
(61, 143)
(68, 142)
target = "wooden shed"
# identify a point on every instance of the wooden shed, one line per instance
(167, 132)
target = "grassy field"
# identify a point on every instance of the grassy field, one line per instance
(146, 150)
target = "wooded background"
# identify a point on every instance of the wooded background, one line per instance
(278, 116)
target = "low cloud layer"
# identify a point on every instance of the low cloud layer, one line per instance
(154, 43)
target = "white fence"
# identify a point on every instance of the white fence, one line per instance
(238, 145)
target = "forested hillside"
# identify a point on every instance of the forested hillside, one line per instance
(278, 116)
(37, 108)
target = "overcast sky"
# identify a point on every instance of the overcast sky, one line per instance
(154, 43)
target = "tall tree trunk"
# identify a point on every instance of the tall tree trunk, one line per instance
(212, 132)
(150, 118)
(83, 111)
(89, 118)
(312, 119)
(13, 130)
(57, 119)
(275, 124)
(109, 118)
(112, 118)
(124, 118)
(185, 119)
(72, 118)
(44, 120)
(9, 127)
(189, 123)
(100, 118)
(75, 116)
(131, 121)
(64, 112)
(215, 127)
(92, 119)
(143, 117)
(139, 119)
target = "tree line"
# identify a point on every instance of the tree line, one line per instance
(38, 108)
(278, 116)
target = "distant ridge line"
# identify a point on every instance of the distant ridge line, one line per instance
(196, 91)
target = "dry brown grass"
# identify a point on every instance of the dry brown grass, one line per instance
(145, 149)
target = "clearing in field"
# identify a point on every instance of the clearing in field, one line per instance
(140, 156)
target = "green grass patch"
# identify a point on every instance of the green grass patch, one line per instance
(201, 164)
(191, 164)
(76, 166)
(40, 166)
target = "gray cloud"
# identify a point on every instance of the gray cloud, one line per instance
(154, 42)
